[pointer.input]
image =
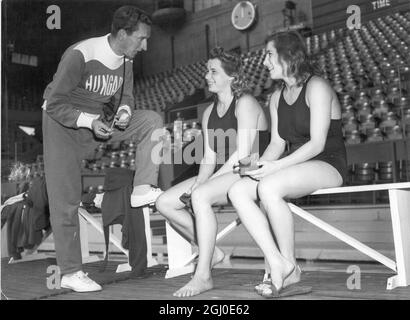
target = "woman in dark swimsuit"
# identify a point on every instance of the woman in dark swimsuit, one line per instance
(237, 116)
(305, 116)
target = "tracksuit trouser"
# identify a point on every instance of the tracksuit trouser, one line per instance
(64, 149)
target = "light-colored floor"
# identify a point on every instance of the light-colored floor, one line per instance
(234, 279)
(258, 263)
(306, 265)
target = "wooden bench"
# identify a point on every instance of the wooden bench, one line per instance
(181, 254)
(86, 217)
(33, 254)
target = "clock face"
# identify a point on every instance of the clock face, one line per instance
(243, 15)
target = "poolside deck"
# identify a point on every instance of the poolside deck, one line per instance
(236, 281)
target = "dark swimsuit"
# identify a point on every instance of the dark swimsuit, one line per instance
(294, 127)
(228, 122)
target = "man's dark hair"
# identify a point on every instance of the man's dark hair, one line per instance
(127, 18)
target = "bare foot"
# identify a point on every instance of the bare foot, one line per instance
(218, 257)
(283, 268)
(194, 287)
(293, 278)
(264, 285)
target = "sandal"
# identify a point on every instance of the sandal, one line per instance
(271, 292)
(268, 290)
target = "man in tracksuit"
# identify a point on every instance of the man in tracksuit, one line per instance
(89, 74)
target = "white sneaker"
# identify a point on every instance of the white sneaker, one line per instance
(79, 282)
(98, 200)
(151, 196)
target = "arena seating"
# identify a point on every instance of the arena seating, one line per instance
(362, 66)
(359, 64)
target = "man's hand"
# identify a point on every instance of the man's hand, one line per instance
(122, 119)
(101, 130)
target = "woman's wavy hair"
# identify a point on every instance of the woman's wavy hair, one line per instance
(232, 65)
(292, 51)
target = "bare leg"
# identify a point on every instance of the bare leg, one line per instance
(292, 182)
(214, 191)
(169, 205)
(243, 196)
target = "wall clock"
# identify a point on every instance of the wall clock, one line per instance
(243, 15)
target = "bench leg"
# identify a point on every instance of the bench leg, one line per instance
(97, 225)
(221, 234)
(86, 217)
(151, 261)
(179, 252)
(181, 257)
(85, 252)
(400, 216)
(343, 236)
(148, 234)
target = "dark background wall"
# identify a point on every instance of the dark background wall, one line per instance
(24, 25)
(190, 41)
